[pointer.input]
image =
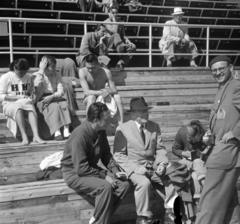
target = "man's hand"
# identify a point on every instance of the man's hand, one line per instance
(161, 170)
(122, 175)
(111, 181)
(43, 64)
(106, 95)
(229, 135)
(129, 43)
(184, 41)
(141, 170)
(48, 99)
(74, 83)
(208, 138)
(102, 38)
(186, 154)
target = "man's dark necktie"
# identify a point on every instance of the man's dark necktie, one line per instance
(142, 133)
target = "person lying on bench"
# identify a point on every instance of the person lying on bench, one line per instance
(87, 144)
(93, 79)
(15, 89)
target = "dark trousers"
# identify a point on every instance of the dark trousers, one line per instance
(219, 200)
(115, 42)
(107, 199)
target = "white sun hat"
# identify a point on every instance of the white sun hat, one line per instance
(177, 11)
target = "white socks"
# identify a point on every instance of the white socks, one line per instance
(66, 132)
(91, 220)
(57, 133)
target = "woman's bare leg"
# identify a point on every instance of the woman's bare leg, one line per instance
(32, 118)
(21, 124)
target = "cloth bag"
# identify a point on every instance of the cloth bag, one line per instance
(110, 105)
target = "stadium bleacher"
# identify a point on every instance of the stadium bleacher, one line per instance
(203, 12)
(177, 95)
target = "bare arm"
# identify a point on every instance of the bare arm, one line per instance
(112, 88)
(87, 91)
(15, 98)
(60, 88)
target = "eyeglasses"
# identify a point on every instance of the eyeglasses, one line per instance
(221, 70)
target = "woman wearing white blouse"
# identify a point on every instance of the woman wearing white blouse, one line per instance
(15, 88)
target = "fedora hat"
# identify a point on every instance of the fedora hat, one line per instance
(138, 103)
(177, 11)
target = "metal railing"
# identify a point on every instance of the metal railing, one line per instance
(85, 23)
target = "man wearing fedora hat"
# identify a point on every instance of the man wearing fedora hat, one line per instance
(219, 200)
(139, 151)
(175, 39)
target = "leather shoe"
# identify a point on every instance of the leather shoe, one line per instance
(141, 220)
(169, 217)
(58, 138)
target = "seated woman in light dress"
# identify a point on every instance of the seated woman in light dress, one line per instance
(53, 110)
(15, 88)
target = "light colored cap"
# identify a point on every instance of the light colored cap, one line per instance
(177, 11)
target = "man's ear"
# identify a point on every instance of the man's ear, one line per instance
(231, 67)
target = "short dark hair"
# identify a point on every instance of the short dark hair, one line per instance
(196, 127)
(91, 58)
(96, 110)
(98, 27)
(19, 64)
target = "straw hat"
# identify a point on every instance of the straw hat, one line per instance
(177, 11)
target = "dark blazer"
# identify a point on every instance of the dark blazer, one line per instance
(225, 117)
